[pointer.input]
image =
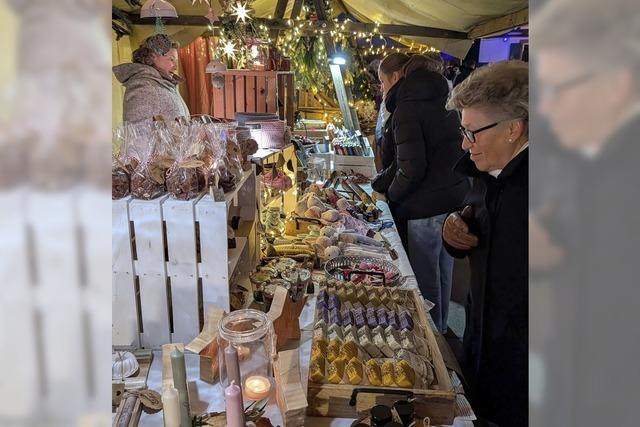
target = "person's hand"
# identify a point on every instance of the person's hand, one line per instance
(456, 233)
(544, 254)
(378, 197)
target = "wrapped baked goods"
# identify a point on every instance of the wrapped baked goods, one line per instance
(186, 177)
(120, 178)
(149, 146)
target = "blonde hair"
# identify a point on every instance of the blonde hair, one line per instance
(502, 88)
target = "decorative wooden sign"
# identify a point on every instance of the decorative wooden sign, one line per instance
(290, 393)
(206, 345)
(285, 315)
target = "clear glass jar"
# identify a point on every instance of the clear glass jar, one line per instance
(251, 333)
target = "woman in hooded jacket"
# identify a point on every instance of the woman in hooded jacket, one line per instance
(390, 73)
(150, 83)
(423, 188)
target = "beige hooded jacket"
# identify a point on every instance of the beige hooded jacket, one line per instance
(149, 93)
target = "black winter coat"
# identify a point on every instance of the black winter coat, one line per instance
(382, 181)
(427, 139)
(495, 344)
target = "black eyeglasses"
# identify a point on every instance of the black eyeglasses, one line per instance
(471, 134)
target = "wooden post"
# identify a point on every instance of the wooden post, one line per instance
(290, 393)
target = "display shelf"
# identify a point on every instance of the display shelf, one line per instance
(235, 254)
(173, 256)
(231, 197)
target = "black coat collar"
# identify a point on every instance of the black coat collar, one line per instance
(466, 166)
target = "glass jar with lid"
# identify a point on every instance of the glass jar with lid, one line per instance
(251, 334)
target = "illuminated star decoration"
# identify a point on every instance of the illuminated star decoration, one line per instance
(241, 12)
(193, 2)
(229, 49)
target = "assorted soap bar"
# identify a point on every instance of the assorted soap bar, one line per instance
(368, 336)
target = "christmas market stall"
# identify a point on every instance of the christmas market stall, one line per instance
(256, 277)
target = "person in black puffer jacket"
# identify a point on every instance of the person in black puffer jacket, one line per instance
(390, 72)
(423, 187)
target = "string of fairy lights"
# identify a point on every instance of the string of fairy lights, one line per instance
(302, 41)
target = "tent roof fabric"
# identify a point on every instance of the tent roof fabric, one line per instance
(458, 15)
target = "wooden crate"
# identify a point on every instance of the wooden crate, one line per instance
(332, 400)
(170, 260)
(250, 91)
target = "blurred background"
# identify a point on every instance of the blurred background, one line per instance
(55, 222)
(583, 331)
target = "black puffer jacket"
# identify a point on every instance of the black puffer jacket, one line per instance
(427, 141)
(383, 180)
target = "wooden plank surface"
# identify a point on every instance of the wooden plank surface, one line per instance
(151, 270)
(218, 102)
(213, 269)
(272, 89)
(261, 94)
(229, 97)
(240, 93)
(499, 24)
(250, 83)
(179, 217)
(290, 96)
(124, 329)
(281, 93)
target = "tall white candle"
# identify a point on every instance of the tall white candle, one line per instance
(171, 407)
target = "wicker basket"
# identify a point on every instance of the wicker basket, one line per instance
(268, 134)
(332, 266)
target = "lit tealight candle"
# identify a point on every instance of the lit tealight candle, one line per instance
(256, 388)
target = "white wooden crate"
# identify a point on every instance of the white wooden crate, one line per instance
(174, 253)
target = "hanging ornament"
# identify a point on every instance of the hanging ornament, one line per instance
(159, 27)
(211, 16)
(241, 12)
(229, 49)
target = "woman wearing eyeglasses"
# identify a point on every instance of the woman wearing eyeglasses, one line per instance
(150, 83)
(492, 231)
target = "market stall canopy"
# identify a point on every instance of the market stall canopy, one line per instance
(459, 15)
(476, 18)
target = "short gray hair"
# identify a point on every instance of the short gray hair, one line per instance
(158, 44)
(502, 88)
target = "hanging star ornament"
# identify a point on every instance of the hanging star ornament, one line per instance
(241, 12)
(229, 49)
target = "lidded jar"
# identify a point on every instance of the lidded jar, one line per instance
(251, 333)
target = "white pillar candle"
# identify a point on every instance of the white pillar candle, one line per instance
(171, 407)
